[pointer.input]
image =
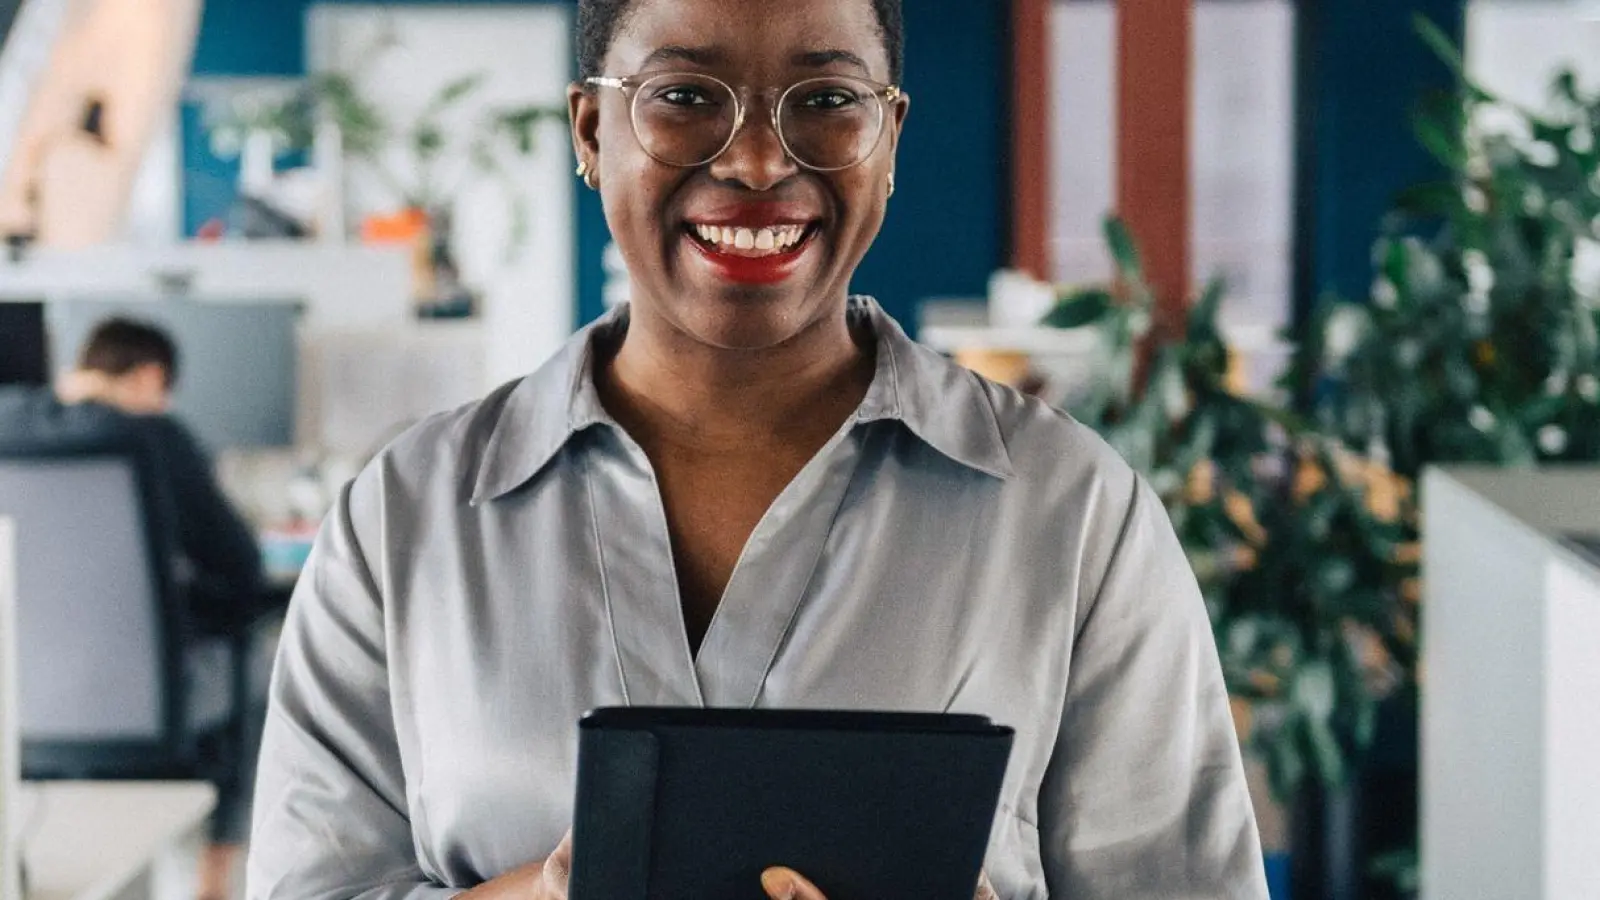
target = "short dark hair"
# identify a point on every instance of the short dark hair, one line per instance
(118, 346)
(599, 21)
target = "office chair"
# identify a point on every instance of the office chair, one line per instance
(114, 680)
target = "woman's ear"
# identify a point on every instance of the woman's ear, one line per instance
(901, 109)
(583, 108)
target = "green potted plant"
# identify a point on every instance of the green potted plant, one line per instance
(422, 163)
(1478, 341)
(1302, 548)
(1299, 546)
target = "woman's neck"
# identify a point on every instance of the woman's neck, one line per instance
(663, 385)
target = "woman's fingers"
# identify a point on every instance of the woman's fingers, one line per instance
(557, 869)
(787, 884)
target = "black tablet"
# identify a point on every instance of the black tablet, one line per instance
(694, 804)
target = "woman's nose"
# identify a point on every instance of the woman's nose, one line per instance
(756, 158)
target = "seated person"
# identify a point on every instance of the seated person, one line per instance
(122, 387)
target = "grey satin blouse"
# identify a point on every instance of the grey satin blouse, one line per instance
(503, 568)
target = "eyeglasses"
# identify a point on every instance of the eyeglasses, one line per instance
(686, 120)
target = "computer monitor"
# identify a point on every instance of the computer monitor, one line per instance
(236, 359)
(24, 345)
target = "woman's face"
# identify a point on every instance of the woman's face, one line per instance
(735, 296)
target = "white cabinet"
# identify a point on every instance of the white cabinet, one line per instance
(1511, 655)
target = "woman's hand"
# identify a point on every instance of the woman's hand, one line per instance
(545, 880)
(787, 884)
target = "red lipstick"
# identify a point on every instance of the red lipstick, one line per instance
(754, 215)
(770, 269)
(782, 232)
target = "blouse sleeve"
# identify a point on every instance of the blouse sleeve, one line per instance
(1145, 794)
(330, 808)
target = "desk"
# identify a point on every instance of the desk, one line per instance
(104, 840)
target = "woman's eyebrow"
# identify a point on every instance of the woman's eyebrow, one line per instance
(700, 56)
(818, 59)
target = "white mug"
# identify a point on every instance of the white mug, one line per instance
(1018, 300)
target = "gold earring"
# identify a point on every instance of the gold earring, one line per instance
(891, 183)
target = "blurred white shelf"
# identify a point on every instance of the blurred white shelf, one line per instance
(1036, 341)
(342, 285)
(1045, 341)
(99, 840)
(1070, 356)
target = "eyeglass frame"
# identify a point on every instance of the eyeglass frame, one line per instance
(889, 94)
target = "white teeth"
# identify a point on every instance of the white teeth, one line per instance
(773, 238)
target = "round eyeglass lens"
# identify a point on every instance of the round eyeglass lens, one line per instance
(684, 119)
(831, 123)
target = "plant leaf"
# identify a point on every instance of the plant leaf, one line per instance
(1286, 766)
(428, 142)
(1442, 140)
(1442, 45)
(1123, 250)
(1325, 751)
(1434, 198)
(1080, 309)
(1314, 690)
(1203, 315)
(452, 93)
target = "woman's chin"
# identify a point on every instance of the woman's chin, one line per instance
(746, 323)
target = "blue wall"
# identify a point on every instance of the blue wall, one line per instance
(1357, 150)
(251, 37)
(210, 182)
(946, 227)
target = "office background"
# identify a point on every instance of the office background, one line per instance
(1265, 141)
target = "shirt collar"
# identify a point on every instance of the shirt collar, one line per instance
(544, 410)
(940, 402)
(944, 405)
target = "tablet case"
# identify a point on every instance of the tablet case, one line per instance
(693, 804)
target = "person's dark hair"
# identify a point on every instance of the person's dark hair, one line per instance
(599, 20)
(118, 346)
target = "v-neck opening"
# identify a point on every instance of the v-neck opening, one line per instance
(659, 663)
(740, 563)
(748, 629)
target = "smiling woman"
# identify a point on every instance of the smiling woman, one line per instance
(805, 135)
(746, 489)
